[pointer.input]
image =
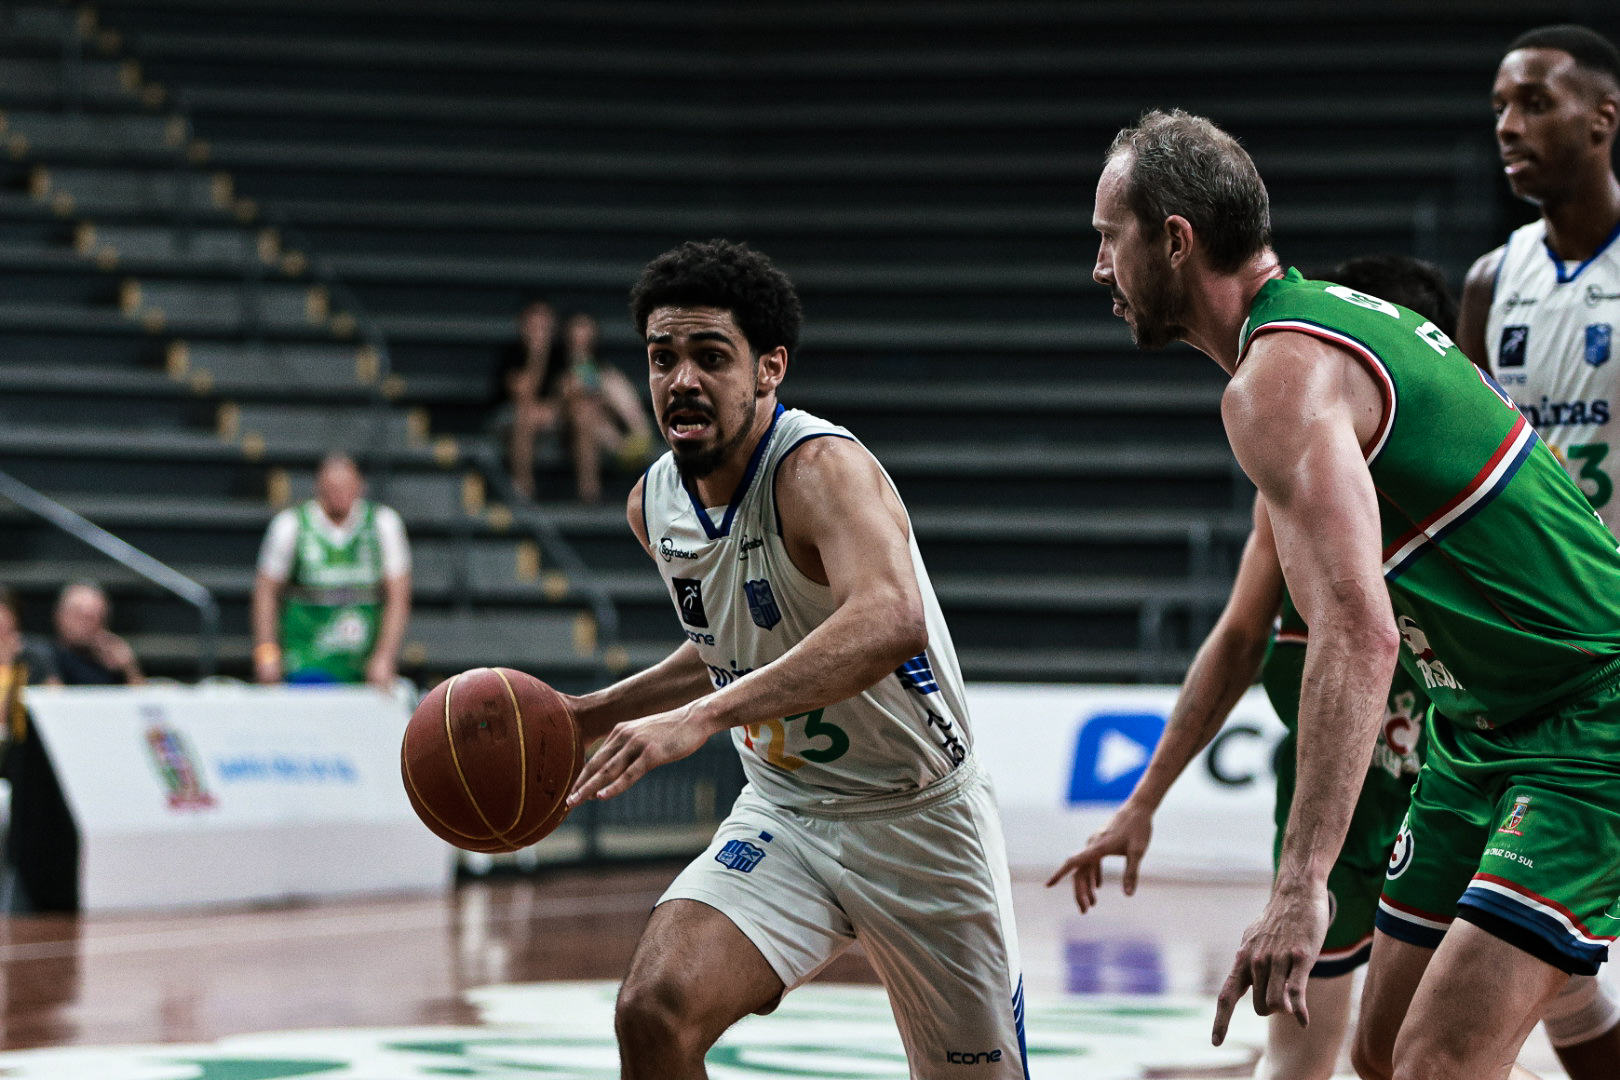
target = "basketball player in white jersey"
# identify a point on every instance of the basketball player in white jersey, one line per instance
(813, 636)
(1540, 313)
(1541, 310)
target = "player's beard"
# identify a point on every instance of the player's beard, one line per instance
(1159, 307)
(694, 462)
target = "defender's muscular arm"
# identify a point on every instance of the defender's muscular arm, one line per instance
(1479, 289)
(1223, 669)
(843, 525)
(1298, 413)
(679, 678)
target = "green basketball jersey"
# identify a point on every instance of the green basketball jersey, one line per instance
(1505, 585)
(330, 620)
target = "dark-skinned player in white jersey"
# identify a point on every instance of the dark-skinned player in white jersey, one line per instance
(813, 636)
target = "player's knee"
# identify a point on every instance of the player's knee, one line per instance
(1370, 1056)
(651, 1018)
(1421, 1057)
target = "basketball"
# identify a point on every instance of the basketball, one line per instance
(488, 758)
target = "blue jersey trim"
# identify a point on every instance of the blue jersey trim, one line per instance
(1424, 937)
(1018, 1022)
(742, 485)
(1581, 957)
(1332, 969)
(1558, 264)
(776, 507)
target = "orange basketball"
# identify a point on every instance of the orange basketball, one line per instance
(488, 758)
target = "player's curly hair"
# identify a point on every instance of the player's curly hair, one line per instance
(727, 275)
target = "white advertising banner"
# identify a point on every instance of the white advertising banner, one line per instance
(1063, 758)
(204, 795)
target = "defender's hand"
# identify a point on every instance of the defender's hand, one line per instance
(1276, 957)
(1127, 834)
(636, 747)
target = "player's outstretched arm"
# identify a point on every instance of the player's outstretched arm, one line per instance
(843, 526)
(1479, 289)
(1298, 412)
(677, 679)
(1224, 667)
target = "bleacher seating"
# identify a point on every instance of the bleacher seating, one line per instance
(234, 233)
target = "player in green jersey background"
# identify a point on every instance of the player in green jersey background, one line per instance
(333, 589)
(1416, 514)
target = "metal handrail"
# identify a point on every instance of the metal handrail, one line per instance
(125, 553)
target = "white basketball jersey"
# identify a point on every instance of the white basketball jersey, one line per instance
(743, 603)
(1551, 344)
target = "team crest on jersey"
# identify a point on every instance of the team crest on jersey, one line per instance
(1515, 340)
(1598, 339)
(689, 598)
(762, 604)
(1515, 819)
(739, 855)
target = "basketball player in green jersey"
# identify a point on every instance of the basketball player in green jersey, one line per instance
(1241, 646)
(1416, 515)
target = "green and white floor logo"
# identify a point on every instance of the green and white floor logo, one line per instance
(564, 1031)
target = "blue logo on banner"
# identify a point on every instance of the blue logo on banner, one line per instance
(739, 855)
(1515, 340)
(1111, 754)
(1598, 336)
(761, 604)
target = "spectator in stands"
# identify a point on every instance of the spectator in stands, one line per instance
(594, 405)
(528, 391)
(39, 861)
(24, 659)
(86, 652)
(333, 590)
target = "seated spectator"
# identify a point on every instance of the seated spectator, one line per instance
(603, 410)
(333, 590)
(592, 405)
(528, 392)
(24, 659)
(86, 652)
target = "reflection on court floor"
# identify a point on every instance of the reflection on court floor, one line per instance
(563, 1031)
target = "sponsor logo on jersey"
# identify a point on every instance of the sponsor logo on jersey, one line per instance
(1400, 856)
(739, 855)
(689, 598)
(1596, 296)
(1515, 819)
(1515, 340)
(762, 604)
(1434, 672)
(1514, 302)
(1599, 336)
(1396, 751)
(916, 674)
(948, 741)
(668, 550)
(721, 677)
(749, 543)
(1548, 413)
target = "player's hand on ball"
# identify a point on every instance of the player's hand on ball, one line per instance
(1276, 956)
(636, 747)
(1127, 833)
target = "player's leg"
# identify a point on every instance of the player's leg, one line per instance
(931, 901)
(694, 974)
(1309, 1053)
(1583, 1025)
(1393, 975)
(1505, 990)
(748, 919)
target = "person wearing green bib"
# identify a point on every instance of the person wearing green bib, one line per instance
(333, 589)
(1417, 517)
